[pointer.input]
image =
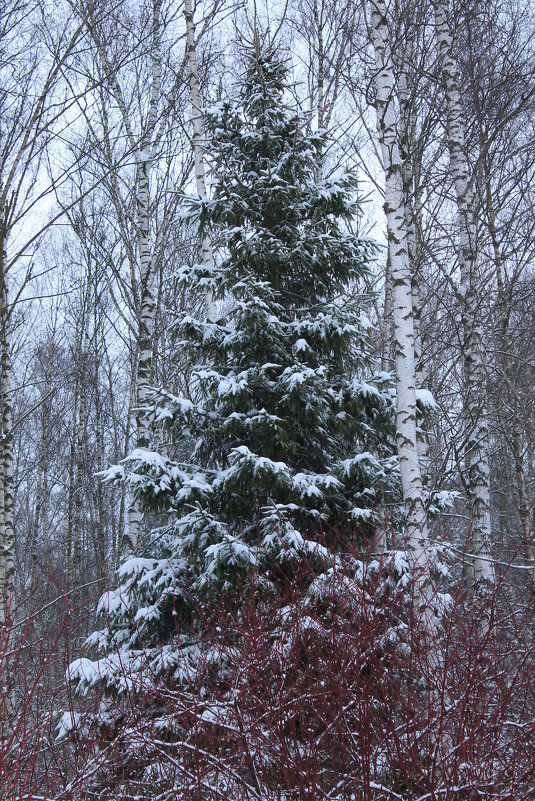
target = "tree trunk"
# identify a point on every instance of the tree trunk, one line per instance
(512, 395)
(81, 450)
(102, 527)
(70, 534)
(413, 215)
(7, 537)
(476, 451)
(403, 319)
(206, 255)
(40, 515)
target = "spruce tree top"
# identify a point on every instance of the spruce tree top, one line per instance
(277, 221)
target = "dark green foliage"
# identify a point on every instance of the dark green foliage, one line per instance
(292, 441)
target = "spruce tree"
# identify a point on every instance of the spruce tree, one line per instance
(284, 449)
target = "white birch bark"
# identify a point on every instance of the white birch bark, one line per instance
(407, 113)
(476, 451)
(147, 305)
(320, 81)
(403, 319)
(206, 255)
(412, 209)
(387, 336)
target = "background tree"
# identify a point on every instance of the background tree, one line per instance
(476, 451)
(33, 111)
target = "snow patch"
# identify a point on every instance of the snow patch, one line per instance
(425, 398)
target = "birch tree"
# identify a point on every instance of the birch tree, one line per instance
(206, 256)
(418, 126)
(476, 449)
(401, 281)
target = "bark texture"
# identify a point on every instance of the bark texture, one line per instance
(404, 336)
(206, 255)
(476, 450)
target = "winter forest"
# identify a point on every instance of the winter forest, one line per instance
(267, 452)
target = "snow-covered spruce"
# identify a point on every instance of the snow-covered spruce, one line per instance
(291, 437)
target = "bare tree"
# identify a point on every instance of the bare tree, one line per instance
(476, 450)
(401, 280)
(206, 255)
(32, 58)
(134, 133)
(498, 73)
